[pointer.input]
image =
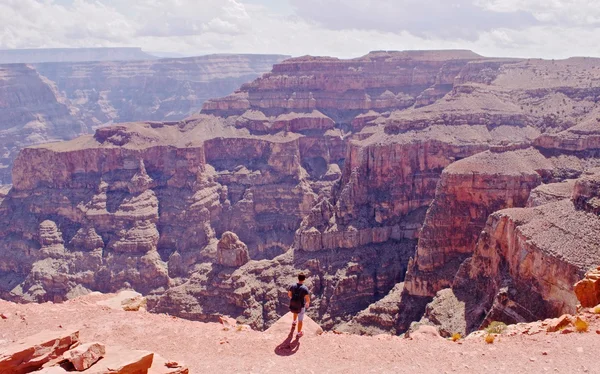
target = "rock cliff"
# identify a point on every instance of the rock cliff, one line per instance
(526, 263)
(468, 192)
(46, 102)
(339, 168)
(517, 265)
(471, 189)
(36, 55)
(31, 112)
(151, 90)
(348, 91)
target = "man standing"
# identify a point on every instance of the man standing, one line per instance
(299, 302)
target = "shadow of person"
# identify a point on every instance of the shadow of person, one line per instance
(289, 346)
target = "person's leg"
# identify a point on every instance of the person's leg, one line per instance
(300, 319)
(295, 318)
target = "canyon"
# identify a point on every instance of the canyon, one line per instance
(37, 55)
(439, 187)
(51, 101)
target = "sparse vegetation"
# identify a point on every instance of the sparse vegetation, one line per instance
(456, 337)
(496, 327)
(489, 338)
(581, 325)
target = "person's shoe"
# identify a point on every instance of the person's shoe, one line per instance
(294, 323)
(300, 334)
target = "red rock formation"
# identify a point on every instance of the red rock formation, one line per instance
(527, 261)
(320, 155)
(587, 290)
(31, 112)
(31, 353)
(551, 192)
(586, 193)
(581, 137)
(151, 90)
(231, 251)
(59, 101)
(468, 192)
(85, 355)
(524, 264)
(379, 81)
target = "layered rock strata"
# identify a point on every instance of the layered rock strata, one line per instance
(151, 90)
(29, 56)
(526, 263)
(343, 89)
(523, 264)
(502, 179)
(309, 175)
(58, 101)
(31, 112)
(468, 192)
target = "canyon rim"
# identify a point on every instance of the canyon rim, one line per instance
(405, 184)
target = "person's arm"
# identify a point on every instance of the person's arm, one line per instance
(289, 294)
(306, 301)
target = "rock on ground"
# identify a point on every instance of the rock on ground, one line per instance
(587, 290)
(84, 356)
(34, 351)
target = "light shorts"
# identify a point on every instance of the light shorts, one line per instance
(301, 314)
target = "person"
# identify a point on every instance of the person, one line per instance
(299, 302)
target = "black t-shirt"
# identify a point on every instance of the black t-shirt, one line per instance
(303, 291)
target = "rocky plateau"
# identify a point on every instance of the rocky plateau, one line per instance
(51, 101)
(409, 186)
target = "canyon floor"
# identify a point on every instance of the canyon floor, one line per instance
(210, 348)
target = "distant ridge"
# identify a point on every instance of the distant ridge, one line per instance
(12, 56)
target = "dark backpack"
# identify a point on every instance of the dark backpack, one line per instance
(296, 301)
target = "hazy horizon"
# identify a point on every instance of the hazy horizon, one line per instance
(507, 28)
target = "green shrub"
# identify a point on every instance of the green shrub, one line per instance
(496, 327)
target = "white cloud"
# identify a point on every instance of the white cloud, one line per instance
(348, 28)
(434, 18)
(30, 24)
(580, 13)
(189, 17)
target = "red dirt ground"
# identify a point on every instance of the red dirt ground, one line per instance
(208, 348)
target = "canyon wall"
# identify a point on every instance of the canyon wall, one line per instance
(527, 260)
(151, 90)
(58, 101)
(31, 56)
(348, 90)
(515, 265)
(364, 173)
(32, 111)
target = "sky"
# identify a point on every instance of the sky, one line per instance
(341, 28)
